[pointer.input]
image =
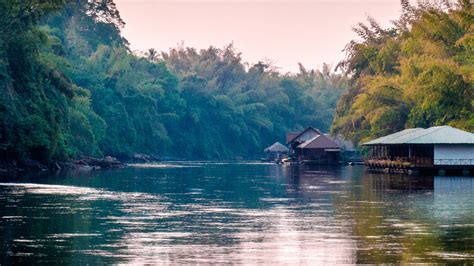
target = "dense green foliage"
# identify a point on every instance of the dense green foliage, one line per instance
(230, 109)
(71, 87)
(34, 97)
(419, 73)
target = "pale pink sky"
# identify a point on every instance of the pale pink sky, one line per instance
(308, 31)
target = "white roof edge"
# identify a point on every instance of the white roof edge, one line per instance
(432, 135)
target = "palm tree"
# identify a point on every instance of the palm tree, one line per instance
(152, 55)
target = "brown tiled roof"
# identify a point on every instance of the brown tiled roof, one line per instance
(293, 135)
(319, 142)
(290, 136)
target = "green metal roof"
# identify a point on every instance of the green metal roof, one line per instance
(432, 135)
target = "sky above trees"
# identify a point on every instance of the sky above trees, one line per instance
(287, 32)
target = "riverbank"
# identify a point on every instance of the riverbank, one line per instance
(86, 163)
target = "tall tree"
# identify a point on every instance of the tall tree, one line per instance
(417, 73)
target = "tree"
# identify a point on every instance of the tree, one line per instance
(416, 74)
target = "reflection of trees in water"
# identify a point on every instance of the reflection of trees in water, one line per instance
(247, 213)
(394, 222)
(394, 217)
(385, 220)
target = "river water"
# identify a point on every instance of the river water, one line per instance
(202, 212)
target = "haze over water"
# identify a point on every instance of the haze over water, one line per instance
(236, 212)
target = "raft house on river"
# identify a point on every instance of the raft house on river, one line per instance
(276, 151)
(311, 146)
(439, 149)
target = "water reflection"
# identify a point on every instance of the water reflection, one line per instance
(242, 213)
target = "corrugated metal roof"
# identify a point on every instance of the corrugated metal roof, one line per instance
(319, 142)
(277, 147)
(432, 135)
(393, 136)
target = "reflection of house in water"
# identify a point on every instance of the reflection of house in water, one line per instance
(445, 198)
(318, 181)
(453, 196)
(400, 182)
(442, 147)
(383, 212)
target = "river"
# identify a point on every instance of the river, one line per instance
(208, 212)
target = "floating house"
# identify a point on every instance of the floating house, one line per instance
(276, 152)
(294, 139)
(311, 146)
(441, 147)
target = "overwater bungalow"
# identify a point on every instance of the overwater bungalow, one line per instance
(276, 151)
(311, 146)
(435, 148)
(293, 139)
